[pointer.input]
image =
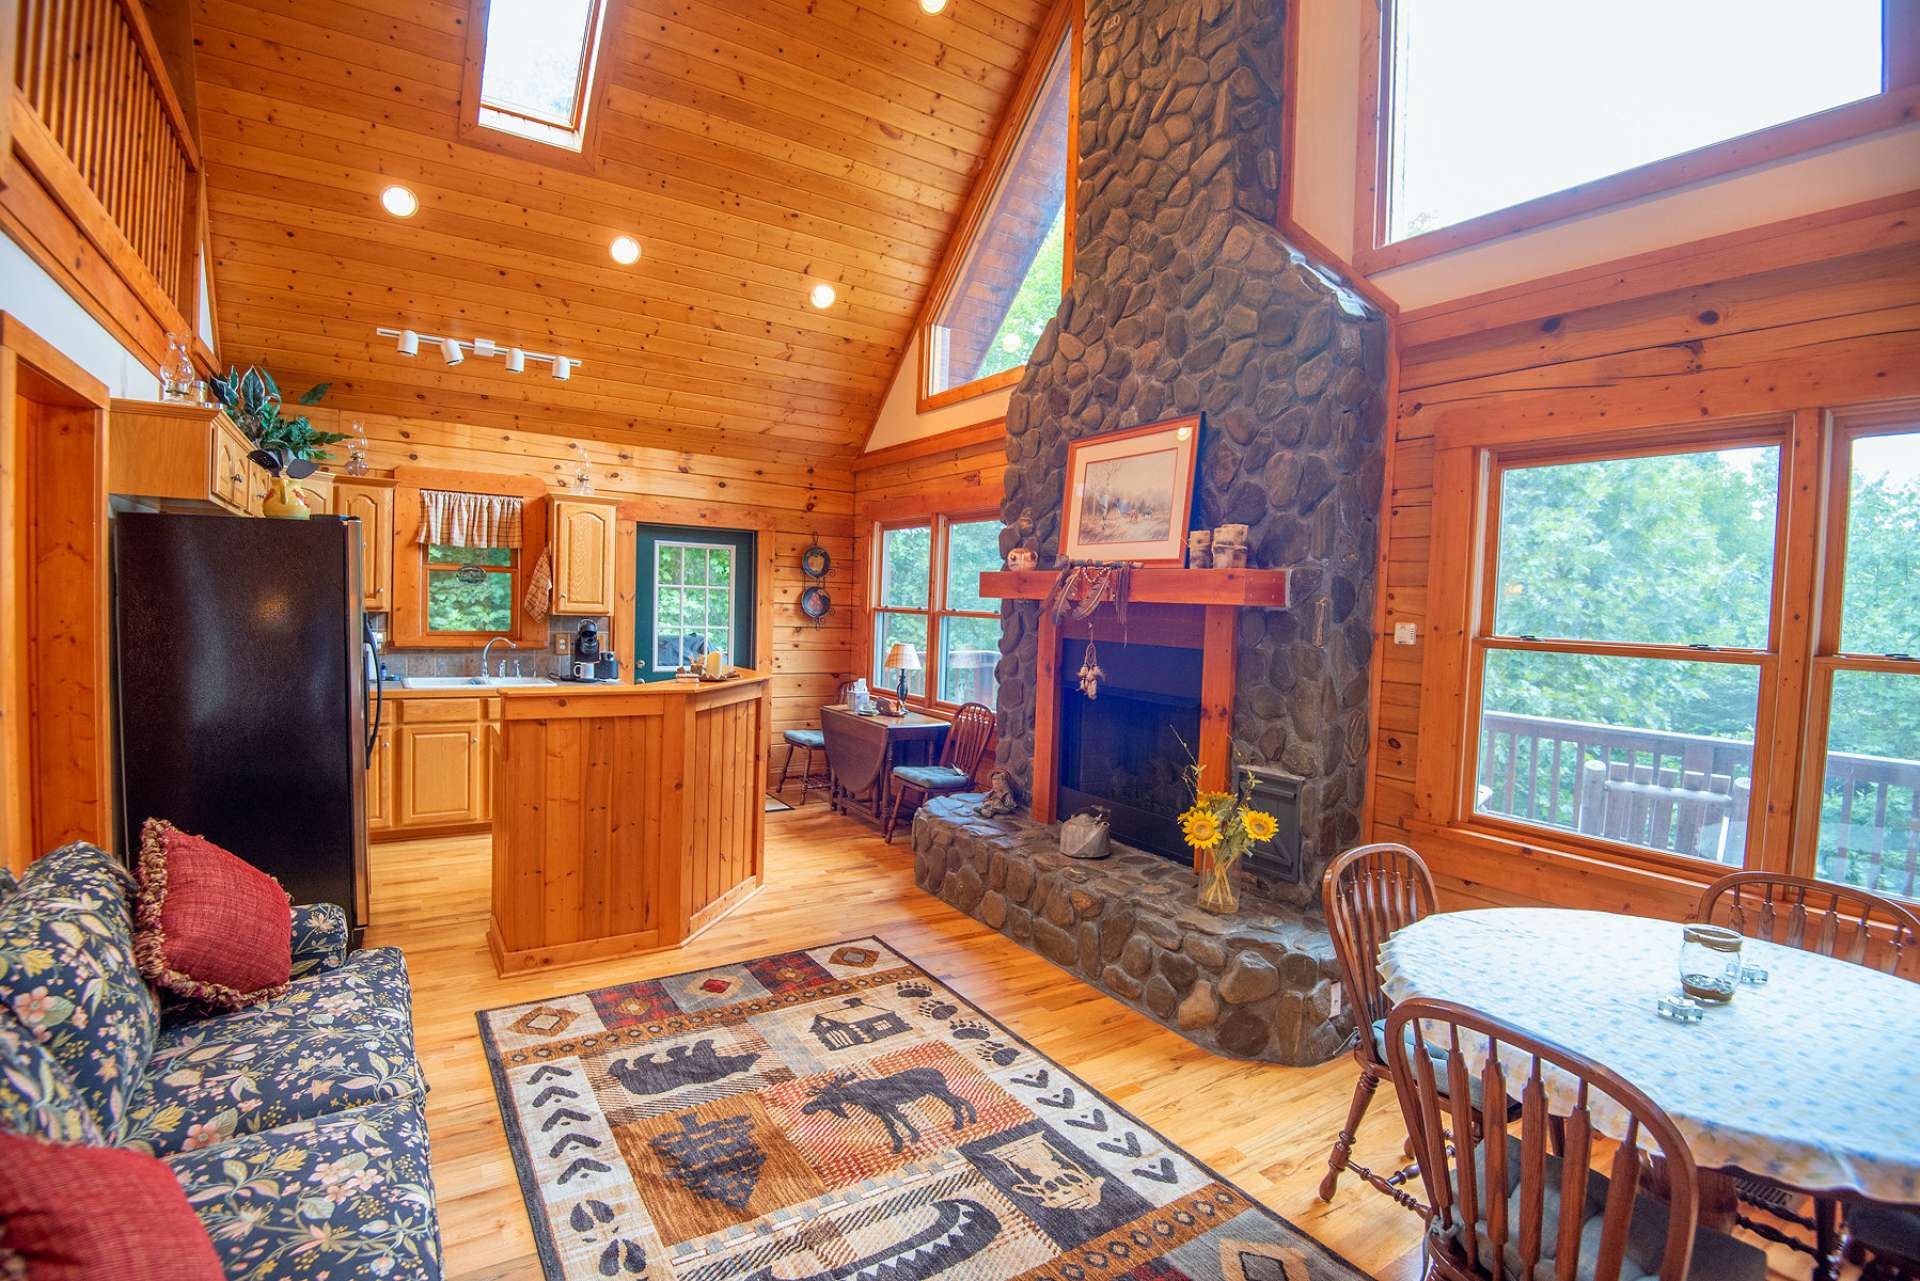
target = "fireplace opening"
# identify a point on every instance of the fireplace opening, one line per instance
(1123, 749)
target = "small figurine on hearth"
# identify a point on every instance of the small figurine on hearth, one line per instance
(999, 798)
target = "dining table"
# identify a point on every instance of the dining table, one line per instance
(1810, 1080)
(862, 751)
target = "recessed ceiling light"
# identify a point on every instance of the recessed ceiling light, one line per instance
(822, 296)
(400, 202)
(932, 6)
(626, 250)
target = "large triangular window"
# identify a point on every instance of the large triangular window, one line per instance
(531, 69)
(996, 298)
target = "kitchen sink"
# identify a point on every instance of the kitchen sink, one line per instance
(469, 682)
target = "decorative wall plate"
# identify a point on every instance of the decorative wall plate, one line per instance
(814, 562)
(814, 603)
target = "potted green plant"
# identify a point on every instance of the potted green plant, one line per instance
(288, 448)
(253, 401)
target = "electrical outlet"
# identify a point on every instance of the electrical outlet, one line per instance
(1405, 633)
(560, 644)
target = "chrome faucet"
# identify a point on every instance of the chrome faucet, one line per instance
(487, 649)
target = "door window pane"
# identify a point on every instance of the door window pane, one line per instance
(906, 566)
(969, 650)
(888, 629)
(1651, 752)
(973, 549)
(1670, 549)
(693, 605)
(1881, 611)
(1869, 821)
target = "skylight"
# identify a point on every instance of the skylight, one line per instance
(538, 66)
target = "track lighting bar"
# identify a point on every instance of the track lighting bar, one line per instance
(454, 351)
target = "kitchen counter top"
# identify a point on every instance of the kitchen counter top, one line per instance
(571, 689)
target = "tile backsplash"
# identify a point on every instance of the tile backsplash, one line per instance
(466, 662)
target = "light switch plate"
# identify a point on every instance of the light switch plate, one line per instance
(1406, 633)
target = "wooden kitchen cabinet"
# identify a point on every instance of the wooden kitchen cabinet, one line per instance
(316, 491)
(438, 783)
(380, 780)
(437, 759)
(582, 532)
(180, 452)
(370, 500)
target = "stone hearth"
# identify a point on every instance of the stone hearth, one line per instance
(1261, 984)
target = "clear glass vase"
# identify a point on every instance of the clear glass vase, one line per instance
(1217, 892)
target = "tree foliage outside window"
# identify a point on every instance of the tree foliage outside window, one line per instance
(954, 629)
(1033, 306)
(470, 589)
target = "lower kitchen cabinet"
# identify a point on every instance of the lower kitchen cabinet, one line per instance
(380, 783)
(437, 761)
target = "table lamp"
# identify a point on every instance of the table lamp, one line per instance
(903, 658)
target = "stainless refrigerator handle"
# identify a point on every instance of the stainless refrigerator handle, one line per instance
(377, 693)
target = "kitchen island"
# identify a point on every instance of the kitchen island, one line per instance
(626, 818)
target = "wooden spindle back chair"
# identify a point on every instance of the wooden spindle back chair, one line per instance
(1840, 921)
(1368, 893)
(1488, 1212)
(967, 741)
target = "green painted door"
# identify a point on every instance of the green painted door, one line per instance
(695, 592)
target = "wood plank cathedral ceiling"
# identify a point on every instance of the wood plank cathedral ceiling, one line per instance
(753, 147)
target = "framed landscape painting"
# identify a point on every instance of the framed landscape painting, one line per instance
(1130, 494)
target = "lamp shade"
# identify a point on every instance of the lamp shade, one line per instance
(902, 657)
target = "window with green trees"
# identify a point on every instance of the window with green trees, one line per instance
(1631, 676)
(470, 589)
(927, 594)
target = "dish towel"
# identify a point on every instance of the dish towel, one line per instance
(540, 586)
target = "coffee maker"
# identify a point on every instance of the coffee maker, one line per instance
(586, 652)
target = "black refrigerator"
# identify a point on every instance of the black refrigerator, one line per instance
(247, 693)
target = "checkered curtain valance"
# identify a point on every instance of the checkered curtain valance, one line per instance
(455, 519)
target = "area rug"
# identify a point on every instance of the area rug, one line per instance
(837, 1114)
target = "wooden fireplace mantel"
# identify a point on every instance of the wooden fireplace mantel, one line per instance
(1264, 588)
(1190, 608)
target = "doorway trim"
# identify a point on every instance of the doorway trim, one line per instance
(634, 512)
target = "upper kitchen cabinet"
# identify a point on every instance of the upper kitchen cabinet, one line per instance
(179, 452)
(583, 531)
(370, 499)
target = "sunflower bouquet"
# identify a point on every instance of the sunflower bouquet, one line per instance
(1223, 826)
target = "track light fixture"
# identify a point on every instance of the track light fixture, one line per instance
(455, 351)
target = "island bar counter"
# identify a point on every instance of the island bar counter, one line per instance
(626, 818)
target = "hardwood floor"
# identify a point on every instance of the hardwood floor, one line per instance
(1266, 1128)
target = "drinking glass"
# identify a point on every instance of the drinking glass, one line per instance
(1709, 963)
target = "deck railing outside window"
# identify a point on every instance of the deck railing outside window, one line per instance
(1688, 794)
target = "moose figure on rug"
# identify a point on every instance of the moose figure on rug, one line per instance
(650, 1074)
(886, 1097)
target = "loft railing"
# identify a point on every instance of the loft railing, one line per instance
(95, 116)
(1689, 793)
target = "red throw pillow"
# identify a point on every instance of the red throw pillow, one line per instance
(210, 927)
(80, 1213)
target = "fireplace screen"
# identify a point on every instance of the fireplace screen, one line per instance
(1127, 749)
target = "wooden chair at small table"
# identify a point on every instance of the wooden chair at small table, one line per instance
(808, 740)
(960, 756)
(1848, 924)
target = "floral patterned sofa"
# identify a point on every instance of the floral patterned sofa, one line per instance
(296, 1126)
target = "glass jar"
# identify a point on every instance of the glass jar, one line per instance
(1709, 963)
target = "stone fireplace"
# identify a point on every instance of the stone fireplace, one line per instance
(1186, 300)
